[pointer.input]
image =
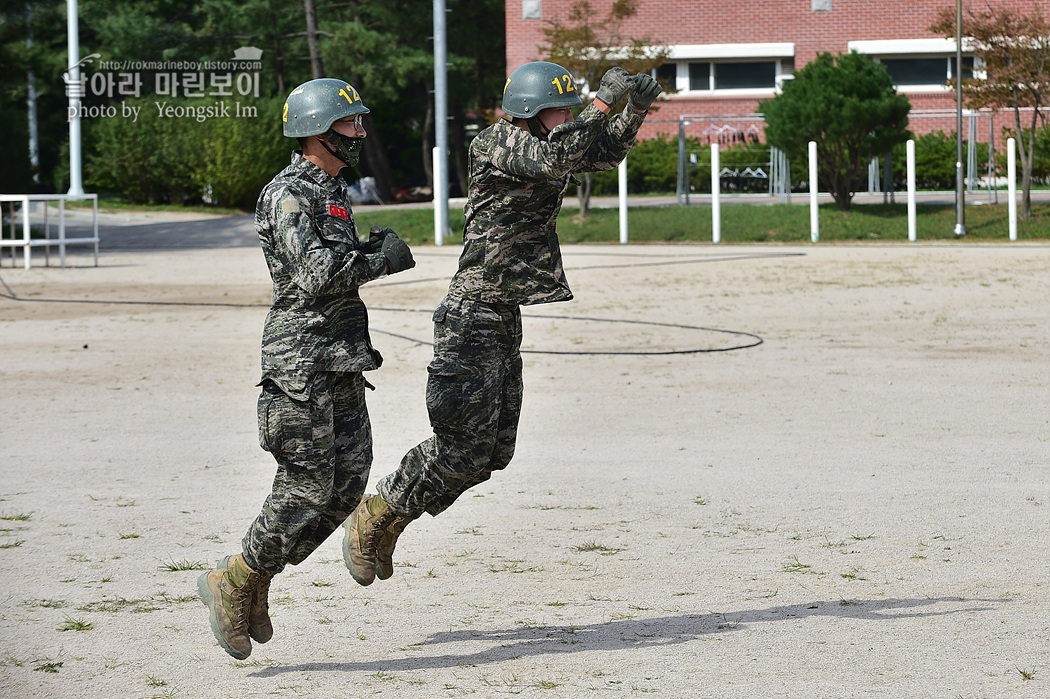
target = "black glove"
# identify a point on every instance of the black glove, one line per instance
(376, 235)
(614, 85)
(398, 256)
(644, 90)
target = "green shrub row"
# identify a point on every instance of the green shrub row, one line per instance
(652, 166)
(158, 158)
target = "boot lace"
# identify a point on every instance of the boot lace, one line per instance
(241, 599)
(376, 530)
(262, 593)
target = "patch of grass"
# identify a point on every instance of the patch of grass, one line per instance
(12, 544)
(514, 567)
(129, 536)
(595, 546)
(699, 500)
(796, 566)
(71, 624)
(138, 606)
(47, 603)
(152, 681)
(176, 566)
(116, 205)
(546, 508)
(254, 662)
(414, 226)
(746, 223)
(181, 599)
(1027, 674)
(47, 666)
(22, 517)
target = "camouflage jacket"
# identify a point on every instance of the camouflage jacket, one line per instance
(511, 253)
(317, 321)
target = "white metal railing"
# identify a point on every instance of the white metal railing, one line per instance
(27, 242)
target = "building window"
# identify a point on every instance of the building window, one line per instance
(907, 72)
(729, 68)
(707, 75)
(967, 67)
(667, 75)
(916, 71)
(745, 76)
(700, 76)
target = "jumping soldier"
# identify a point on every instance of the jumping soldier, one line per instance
(520, 168)
(315, 346)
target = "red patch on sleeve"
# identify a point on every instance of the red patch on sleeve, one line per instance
(338, 211)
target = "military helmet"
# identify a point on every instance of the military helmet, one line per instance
(314, 106)
(536, 86)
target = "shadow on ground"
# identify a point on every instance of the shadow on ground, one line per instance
(629, 633)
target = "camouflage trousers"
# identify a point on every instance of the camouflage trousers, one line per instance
(323, 448)
(474, 399)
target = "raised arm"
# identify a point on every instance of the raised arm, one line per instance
(523, 155)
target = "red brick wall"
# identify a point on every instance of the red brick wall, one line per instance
(759, 21)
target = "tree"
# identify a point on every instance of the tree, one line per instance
(1013, 50)
(849, 106)
(384, 47)
(588, 45)
(388, 45)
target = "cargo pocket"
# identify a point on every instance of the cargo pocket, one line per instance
(284, 423)
(447, 388)
(451, 328)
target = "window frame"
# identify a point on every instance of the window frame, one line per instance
(685, 56)
(923, 49)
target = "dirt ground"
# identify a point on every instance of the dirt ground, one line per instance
(858, 506)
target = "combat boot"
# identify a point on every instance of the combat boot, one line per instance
(259, 626)
(227, 592)
(392, 529)
(371, 534)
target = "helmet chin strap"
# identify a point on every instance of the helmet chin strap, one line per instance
(537, 128)
(331, 150)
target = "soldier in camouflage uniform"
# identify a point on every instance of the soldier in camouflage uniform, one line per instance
(312, 414)
(519, 171)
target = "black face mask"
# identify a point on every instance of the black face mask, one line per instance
(346, 148)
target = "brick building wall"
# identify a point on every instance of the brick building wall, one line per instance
(789, 33)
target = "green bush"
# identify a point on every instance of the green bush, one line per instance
(169, 159)
(242, 155)
(1041, 160)
(935, 155)
(652, 167)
